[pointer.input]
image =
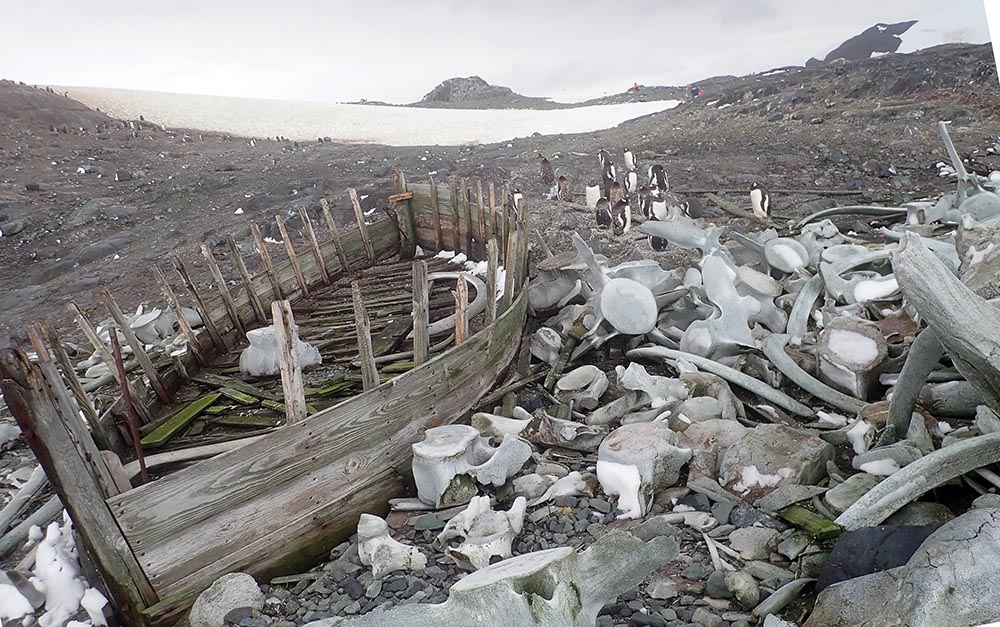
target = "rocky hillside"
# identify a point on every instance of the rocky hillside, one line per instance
(474, 93)
(30, 107)
(878, 39)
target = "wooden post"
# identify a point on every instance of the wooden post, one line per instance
(133, 424)
(74, 477)
(436, 207)
(213, 331)
(456, 223)
(220, 283)
(493, 209)
(481, 240)
(407, 224)
(192, 339)
(461, 310)
(369, 373)
(137, 350)
(314, 243)
(91, 334)
(265, 256)
(292, 256)
(359, 215)
(345, 264)
(258, 307)
(421, 314)
(467, 206)
(492, 264)
(286, 336)
(509, 262)
(505, 226)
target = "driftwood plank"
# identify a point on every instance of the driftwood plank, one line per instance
(292, 256)
(137, 349)
(481, 236)
(369, 373)
(335, 235)
(436, 209)
(203, 310)
(314, 244)
(265, 257)
(402, 199)
(214, 380)
(247, 280)
(160, 435)
(220, 284)
(286, 335)
(492, 265)
(493, 210)
(456, 222)
(461, 310)
(359, 215)
(130, 413)
(194, 344)
(463, 194)
(421, 313)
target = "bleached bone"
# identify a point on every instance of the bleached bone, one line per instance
(546, 344)
(584, 386)
(649, 273)
(727, 332)
(627, 305)
(693, 410)
(550, 431)
(485, 533)
(786, 255)
(552, 289)
(925, 353)
(637, 460)
(774, 348)
(376, 548)
(685, 236)
(707, 384)
(553, 588)
(763, 289)
(657, 391)
(575, 483)
(449, 452)
(798, 320)
(615, 409)
(493, 426)
(534, 485)
(261, 357)
(839, 288)
(849, 355)
(476, 307)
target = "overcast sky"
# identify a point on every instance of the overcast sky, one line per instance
(397, 50)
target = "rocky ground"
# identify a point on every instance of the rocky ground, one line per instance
(88, 202)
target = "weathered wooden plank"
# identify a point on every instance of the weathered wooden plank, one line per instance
(481, 236)
(392, 335)
(407, 225)
(421, 313)
(194, 344)
(456, 222)
(463, 195)
(246, 279)
(314, 244)
(137, 349)
(318, 463)
(436, 209)
(206, 318)
(493, 210)
(218, 381)
(265, 257)
(246, 420)
(331, 224)
(461, 310)
(511, 272)
(130, 413)
(160, 435)
(505, 226)
(240, 397)
(492, 265)
(26, 394)
(359, 216)
(293, 257)
(287, 336)
(369, 373)
(223, 288)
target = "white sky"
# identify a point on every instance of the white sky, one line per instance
(397, 50)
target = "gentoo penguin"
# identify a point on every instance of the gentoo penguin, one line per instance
(616, 193)
(608, 177)
(694, 208)
(548, 175)
(515, 200)
(603, 212)
(660, 211)
(593, 193)
(658, 178)
(629, 160)
(760, 200)
(564, 191)
(645, 202)
(657, 243)
(621, 217)
(603, 156)
(631, 182)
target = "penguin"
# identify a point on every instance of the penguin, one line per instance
(657, 243)
(694, 208)
(621, 217)
(564, 191)
(629, 160)
(659, 211)
(515, 200)
(631, 182)
(616, 193)
(658, 178)
(603, 156)
(548, 175)
(608, 177)
(645, 202)
(760, 200)
(603, 212)
(593, 193)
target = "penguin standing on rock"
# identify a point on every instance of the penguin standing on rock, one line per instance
(760, 200)
(548, 174)
(603, 156)
(658, 179)
(645, 201)
(621, 217)
(629, 160)
(603, 212)
(608, 177)
(631, 182)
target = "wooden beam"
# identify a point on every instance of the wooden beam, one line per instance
(359, 216)
(265, 256)
(52, 441)
(292, 256)
(133, 422)
(436, 211)
(401, 196)
(220, 284)
(407, 223)
(194, 344)
(286, 335)
(463, 194)
(481, 206)
(456, 223)
(91, 334)
(369, 373)
(213, 331)
(492, 265)
(461, 310)
(314, 243)
(509, 262)
(247, 280)
(505, 227)
(421, 314)
(335, 236)
(493, 209)
(137, 350)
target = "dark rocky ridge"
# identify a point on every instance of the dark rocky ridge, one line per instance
(880, 38)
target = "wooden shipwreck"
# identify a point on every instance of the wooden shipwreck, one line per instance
(273, 503)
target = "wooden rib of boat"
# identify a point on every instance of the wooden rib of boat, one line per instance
(275, 502)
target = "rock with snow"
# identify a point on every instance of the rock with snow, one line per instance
(771, 455)
(708, 441)
(635, 461)
(227, 593)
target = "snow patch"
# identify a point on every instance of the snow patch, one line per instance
(832, 419)
(623, 481)
(875, 289)
(751, 477)
(852, 348)
(857, 434)
(880, 467)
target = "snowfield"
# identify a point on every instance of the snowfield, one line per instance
(395, 126)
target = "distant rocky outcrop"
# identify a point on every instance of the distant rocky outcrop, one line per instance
(43, 108)
(473, 92)
(880, 38)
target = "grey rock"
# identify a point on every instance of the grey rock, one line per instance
(715, 586)
(229, 592)
(987, 501)
(744, 515)
(653, 620)
(428, 522)
(743, 587)
(786, 495)
(694, 572)
(920, 513)
(752, 542)
(781, 454)
(843, 495)
(705, 618)
(123, 175)
(655, 527)
(11, 228)
(662, 589)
